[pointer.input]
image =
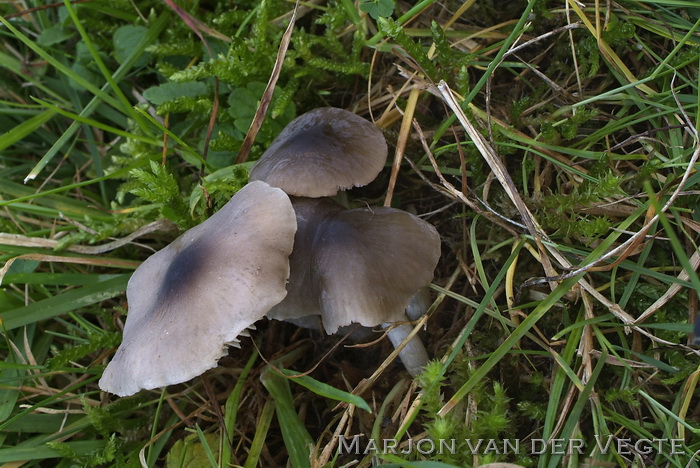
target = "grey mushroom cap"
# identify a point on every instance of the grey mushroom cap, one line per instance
(370, 261)
(357, 266)
(322, 152)
(190, 299)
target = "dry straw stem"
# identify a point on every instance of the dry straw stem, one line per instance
(501, 174)
(419, 324)
(415, 407)
(392, 113)
(688, 394)
(26, 241)
(104, 262)
(366, 384)
(27, 13)
(328, 451)
(451, 191)
(196, 25)
(401, 143)
(269, 90)
(35, 242)
(574, 59)
(672, 290)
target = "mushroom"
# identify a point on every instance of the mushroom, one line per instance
(201, 292)
(348, 266)
(198, 294)
(360, 266)
(368, 262)
(322, 152)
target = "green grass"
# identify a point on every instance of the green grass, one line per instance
(570, 212)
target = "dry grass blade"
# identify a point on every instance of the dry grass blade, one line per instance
(640, 235)
(404, 133)
(503, 177)
(672, 290)
(104, 262)
(26, 241)
(493, 161)
(195, 25)
(607, 51)
(267, 95)
(28, 11)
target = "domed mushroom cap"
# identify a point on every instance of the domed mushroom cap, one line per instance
(322, 152)
(190, 299)
(369, 263)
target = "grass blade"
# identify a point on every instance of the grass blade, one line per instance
(62, 303)
(296, 437)
(325, 390)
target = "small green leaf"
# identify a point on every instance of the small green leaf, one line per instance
(190, 452)
(220, 185)
(244, 103)
(53, 35)
(125, 40)
(171, 91)
(377, 8)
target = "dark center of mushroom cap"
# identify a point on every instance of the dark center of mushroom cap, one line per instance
(187, 265)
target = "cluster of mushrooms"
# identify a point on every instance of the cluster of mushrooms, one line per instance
(280, 248)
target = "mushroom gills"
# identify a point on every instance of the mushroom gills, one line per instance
(236, 342)
(302, 303)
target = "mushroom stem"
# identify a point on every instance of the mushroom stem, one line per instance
(414, 356)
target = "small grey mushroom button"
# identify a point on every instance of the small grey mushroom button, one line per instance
(322, 152)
